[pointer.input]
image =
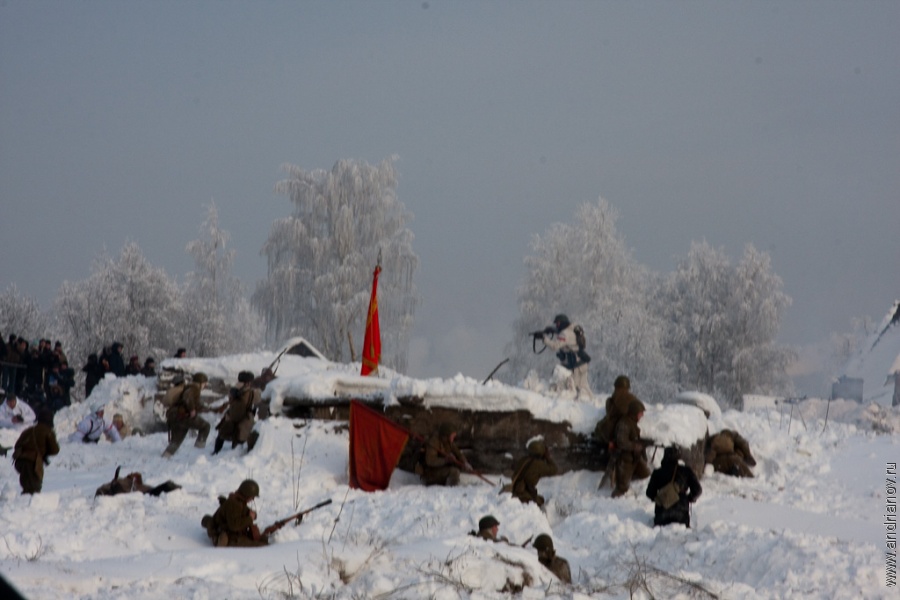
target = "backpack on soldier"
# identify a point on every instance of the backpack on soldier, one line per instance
(581, 340)
(669, 494)
(173, 395)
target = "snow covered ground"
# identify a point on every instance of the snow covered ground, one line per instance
(810, 525)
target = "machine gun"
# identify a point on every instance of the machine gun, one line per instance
(539, 335)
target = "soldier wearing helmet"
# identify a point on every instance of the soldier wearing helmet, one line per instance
(616, 408)
(547, 557)
(530, 469)
(630, 460)
(184, 415)
(442, 460)
(236, 425)
(567, 339)
(488, 526)
(233, 523)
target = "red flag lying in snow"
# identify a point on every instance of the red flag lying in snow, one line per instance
(376, 444)
(371, 354)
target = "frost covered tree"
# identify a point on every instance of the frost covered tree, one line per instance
(217, 315)
(126, 300)
(21, 315)
(723, 320)
(586, 271)
(321, 258)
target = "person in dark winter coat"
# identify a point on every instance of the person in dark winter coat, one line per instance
(673, 503)
(631, 462)
(134, 366)
(93, 373)
(529, 470)
(116, 360)
(32, 451)
(149, 369)
(10, 365)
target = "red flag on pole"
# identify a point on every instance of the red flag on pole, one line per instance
(376, 444)
(371, 354)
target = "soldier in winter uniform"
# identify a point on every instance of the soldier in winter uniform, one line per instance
(32, 451)
(184, 415)
(236, 425)
(93, 426)
(488, 527)
(547, 557)
(616, 408)
(442, 459)
(729, 453)
(673, 488)
(14, 413)
(529, 470)
(233, 522)
(563, 338)
(629, 456)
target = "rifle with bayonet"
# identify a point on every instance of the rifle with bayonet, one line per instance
(295, 517)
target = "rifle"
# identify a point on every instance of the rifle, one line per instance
(539, 335)
(488, 378)
(648, 443)
(453, 459)
(273, 367)
(295, 517)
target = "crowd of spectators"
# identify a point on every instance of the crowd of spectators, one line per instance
(41, 376)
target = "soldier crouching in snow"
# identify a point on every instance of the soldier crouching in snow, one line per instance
(529, 470)
(233, 522)
(547, 557)
(442, 460)
(729, 453)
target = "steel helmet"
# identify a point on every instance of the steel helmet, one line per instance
(537, 448)
(248, 489)
(487, 522)
(561, 321)
(200, 378)
(543, 543)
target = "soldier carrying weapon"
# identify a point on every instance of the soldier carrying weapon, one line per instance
(233, 523)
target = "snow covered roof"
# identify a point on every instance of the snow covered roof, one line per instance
(877, 358)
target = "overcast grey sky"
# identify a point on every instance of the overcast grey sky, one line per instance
(771, 123)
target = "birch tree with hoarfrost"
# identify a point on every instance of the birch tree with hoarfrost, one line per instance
(218, 317)
(126, 300)
(722, 323)
(586, 271)
(321, 259)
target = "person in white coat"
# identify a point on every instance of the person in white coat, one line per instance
(15, 414)
(93, 426)
(570, 354)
